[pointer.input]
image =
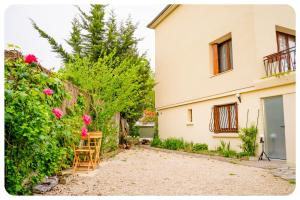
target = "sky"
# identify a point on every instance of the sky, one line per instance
(56, 21)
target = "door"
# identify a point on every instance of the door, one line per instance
(274, 127)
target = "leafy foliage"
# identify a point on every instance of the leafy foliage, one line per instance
(149, 116)
(155, 135)
(178, 144)
(173, 144)
(120, 89)
(106, 63)
(36, 143)
(156, 142)
(248, 137)
(200, 147)
(224, 149)
(75, 40)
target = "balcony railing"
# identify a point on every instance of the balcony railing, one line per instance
(281, 62)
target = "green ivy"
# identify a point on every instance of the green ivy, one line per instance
(36, 143)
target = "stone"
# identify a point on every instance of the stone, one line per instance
(46, 185)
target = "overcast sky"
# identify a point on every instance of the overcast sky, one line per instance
(56, 21)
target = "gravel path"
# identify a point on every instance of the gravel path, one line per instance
(147, 172)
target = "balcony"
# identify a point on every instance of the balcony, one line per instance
(281, 62)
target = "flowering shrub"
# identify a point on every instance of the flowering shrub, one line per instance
(37, 144)
(84, 131)
(30, 59)
(149, 116)
(57, 112)
(86, 119)
(48, 92)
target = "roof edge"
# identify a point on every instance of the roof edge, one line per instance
(162, 15)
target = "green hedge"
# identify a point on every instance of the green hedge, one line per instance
(37, 144)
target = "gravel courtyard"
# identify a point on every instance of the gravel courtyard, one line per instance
(148, 172)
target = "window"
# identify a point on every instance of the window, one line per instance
(190, 115)
(285, 41)
(222, 56)
(225, 118)
(286, 45)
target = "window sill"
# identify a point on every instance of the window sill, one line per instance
(225, 135)
(189, 124)
(214, 75)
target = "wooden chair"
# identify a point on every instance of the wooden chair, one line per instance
(96, 138)
(88, 155)
(84, 155)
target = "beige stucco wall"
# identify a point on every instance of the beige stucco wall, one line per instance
(266, 18)
(183, 52)
(289, 106)
(173, 121)
(184, 69)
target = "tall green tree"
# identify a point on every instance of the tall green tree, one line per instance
(57, 48)
(94, 39)
(75, 40)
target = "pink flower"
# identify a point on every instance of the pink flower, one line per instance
(57, 112)
(30, 59)
(48, 91)
(84, 131)
(86, 119)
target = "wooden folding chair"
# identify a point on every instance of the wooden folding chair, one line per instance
(96, 138)
(84, 155)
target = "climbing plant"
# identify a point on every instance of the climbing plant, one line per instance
(38, 136)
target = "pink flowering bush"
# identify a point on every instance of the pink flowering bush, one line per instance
(48, 138)
(48, 91)
(86, 119)
(84, 131)
(30, 58)
(57, 112)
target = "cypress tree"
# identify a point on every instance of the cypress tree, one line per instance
(75, 40)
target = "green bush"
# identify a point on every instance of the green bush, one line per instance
(134, 131)
(178, 144)
(188, 146)
(173, 144)
(200, 147)
(36, 143)
(248, 137)
(156, 142)
(224, 150)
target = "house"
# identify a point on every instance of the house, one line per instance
(146, 125)
(220, 68)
